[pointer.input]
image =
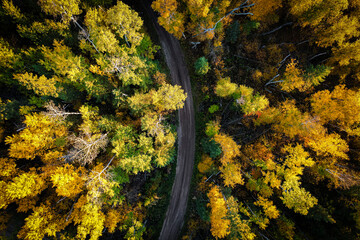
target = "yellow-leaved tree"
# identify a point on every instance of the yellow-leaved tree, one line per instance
(244, 96)
(89, 219)
(296, 78)
(42, 222)
(170, 18)
(24, 186)
(265, 11)
(341, 107)
(67, 180)
(64, 8)
(296, 197)
(41, 85)
(220, 225)
(38, 138)
(8, 57)
(229, 148)
(240, 228)
(126, 23)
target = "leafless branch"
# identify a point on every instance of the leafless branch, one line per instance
(283, 61)
(277, 29)
(232, 12)
(212, 175)
(86, 147)
(84, 33)
(318, 55)
(58, 112)
(271, 80)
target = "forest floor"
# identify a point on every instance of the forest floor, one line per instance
(186, 133)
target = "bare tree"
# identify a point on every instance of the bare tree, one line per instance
(86, 147)
(57, 112)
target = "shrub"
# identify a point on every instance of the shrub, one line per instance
(213, 108)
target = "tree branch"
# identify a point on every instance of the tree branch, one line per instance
(318, 55)
(271, 81)
(277, 29)
(243, 5)
(86, 34)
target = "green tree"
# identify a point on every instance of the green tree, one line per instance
(202, 66)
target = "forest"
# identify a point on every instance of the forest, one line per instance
(89, 119)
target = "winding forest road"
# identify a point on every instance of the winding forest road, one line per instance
(186, 133)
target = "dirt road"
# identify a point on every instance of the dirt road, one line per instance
(186, 134)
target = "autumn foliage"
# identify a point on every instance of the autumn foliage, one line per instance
(87, 115)
(282, 83)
